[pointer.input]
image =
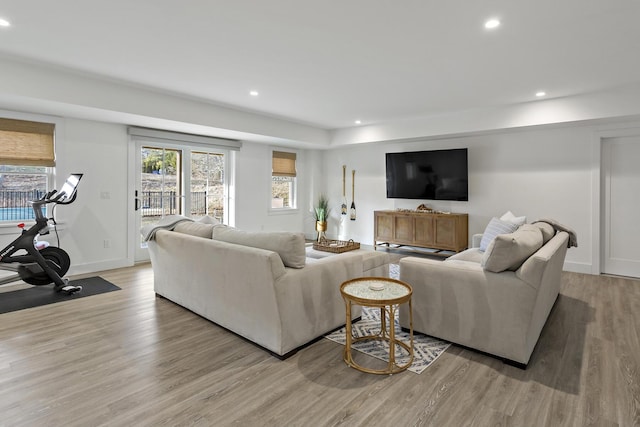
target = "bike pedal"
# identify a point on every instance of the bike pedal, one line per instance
(69, 290)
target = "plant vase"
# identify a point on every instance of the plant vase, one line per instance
(321, 227)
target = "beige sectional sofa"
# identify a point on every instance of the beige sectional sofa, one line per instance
(496, 301)
(261, 286)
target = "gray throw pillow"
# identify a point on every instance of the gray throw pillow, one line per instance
(290, 246)
(509, 251)
(495, 227)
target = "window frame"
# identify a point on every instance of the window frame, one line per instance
(294, 191)
(8, 226)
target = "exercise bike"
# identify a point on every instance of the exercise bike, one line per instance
(42, 264)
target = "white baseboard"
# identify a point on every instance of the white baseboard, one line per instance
(98, 266)
(578, 267)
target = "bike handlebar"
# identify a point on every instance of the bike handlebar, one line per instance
(65, 196)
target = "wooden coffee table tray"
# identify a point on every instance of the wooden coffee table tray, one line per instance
(335, 246)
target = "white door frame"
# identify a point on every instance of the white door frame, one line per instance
(133, 181)
(598, 205)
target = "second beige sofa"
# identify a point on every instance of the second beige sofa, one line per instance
(501, 313)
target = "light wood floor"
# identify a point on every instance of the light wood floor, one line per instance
(127, 358)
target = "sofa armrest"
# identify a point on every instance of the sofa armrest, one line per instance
(309, 299)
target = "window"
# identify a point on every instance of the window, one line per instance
(283, 180)
(26, 158)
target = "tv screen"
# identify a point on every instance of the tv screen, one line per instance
(428, 175)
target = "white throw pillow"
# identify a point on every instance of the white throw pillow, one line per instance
(495, 227)
(510, 217)
(208, 220)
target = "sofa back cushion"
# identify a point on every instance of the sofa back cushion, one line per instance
(290, 246)
(509, 251)
(194, 229)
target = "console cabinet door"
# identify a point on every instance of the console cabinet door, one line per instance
(424, 232)
(445, 230)
(403, 229)
(383, 226)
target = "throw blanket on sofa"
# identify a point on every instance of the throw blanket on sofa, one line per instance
(573, 238)
(167, 223)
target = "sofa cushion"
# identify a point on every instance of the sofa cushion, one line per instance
(290, 246)
(547, 231)
(470, 255)
(509, 251)
(495, 227)
(194, 229)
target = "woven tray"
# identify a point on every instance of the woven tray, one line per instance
(335, 246)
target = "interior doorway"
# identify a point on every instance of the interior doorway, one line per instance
(621, 201)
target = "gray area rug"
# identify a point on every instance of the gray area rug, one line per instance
(426, 349)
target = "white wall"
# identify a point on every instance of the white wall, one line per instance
(100, 151)
(538, 172)
(253, 190)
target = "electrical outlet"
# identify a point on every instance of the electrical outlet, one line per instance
(105, 195)
(107, 243)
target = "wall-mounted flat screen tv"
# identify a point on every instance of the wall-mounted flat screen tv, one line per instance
(428, 175)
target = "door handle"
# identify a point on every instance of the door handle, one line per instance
(136, 201)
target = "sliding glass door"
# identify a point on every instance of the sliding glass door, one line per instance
(177, 180)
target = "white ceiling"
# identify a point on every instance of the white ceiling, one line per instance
(328, 63)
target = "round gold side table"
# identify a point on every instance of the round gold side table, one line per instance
(386, 294)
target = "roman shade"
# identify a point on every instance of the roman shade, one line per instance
(284, 164)
(26, 143)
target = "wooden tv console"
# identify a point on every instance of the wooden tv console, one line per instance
(433, 230)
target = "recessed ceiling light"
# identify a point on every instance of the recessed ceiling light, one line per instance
(357, 122)
(4, 23)
(540, 94)
(254, 93)
(492, 23)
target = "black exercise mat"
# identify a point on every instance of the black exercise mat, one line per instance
(43, 295)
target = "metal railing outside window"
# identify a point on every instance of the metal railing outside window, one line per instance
(15, 206)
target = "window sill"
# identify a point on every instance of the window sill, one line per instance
(283, 211)
(9, 228)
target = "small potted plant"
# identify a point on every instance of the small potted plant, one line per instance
(321, 214)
